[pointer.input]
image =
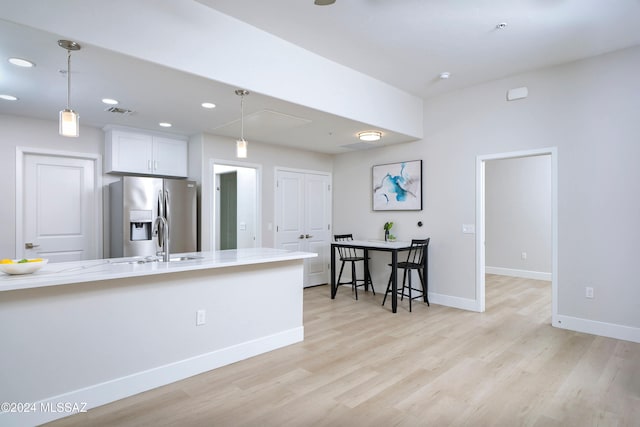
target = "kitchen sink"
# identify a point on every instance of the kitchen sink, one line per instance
(147, 260)
(133, 261)
(185, 258)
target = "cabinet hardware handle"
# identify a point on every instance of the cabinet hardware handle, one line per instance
(308, 236)
(30, 246)
(301, 236)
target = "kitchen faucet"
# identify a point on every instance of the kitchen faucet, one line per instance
(163, 236)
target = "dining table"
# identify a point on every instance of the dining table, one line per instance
(377, 245)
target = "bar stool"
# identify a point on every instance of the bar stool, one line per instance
(415, 261)
(348, 254)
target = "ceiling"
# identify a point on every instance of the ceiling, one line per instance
(405, 43)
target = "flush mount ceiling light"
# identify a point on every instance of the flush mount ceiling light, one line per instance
(208, 105)
(445, 75)
(324, 2)
(241, 144)
(8, 97)
(165, 124)
(501, 26)
(109, 101)
(21, 62)
(370, 135)
(69, 119)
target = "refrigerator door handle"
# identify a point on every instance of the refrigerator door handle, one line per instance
(167, 203)
(161, 203)
(161, 230)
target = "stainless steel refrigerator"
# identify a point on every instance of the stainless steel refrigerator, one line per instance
(136, 202)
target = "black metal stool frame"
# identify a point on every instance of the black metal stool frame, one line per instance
(415, 261)
(349, 254)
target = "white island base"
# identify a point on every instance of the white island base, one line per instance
(92, 342)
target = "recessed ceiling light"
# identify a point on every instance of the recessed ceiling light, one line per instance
(21, 62)
(165, 124)
(501, 26)
(109, 101)
(9, 97)
(208, 105)
(371, 135)
(445, 75)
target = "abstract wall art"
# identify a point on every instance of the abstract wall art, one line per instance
(398, 186)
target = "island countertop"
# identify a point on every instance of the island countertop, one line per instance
(64, 273)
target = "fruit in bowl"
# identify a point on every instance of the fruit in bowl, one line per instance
(22, 266)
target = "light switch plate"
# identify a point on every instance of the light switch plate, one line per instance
(468, 228)
(201, 317)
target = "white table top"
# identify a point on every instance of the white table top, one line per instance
(63, 273)
(372, 243)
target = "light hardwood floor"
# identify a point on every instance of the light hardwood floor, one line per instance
(360, 365)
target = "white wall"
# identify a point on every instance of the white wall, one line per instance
(518, 216)
(268, 157)
(24, 132)
(20, 131)
(589, 111)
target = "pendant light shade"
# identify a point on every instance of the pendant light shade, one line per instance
(241, 149)
(241, 144)
(69, 119)
(69, 123)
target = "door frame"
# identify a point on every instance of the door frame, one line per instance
(212, 203)
(480, 222)
(21, 152)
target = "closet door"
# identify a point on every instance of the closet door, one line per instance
(303, 223)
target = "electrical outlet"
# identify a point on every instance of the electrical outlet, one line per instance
(588, 292)
(201, 317)
(523, 255)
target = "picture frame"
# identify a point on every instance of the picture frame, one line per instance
(397, 186)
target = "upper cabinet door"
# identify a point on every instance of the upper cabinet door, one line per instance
(169, 156)
(140, 153)
(129, 152)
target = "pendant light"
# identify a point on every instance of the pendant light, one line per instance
(69, 119)
(241, 144)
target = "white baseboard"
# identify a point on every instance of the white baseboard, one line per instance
(611, 330)
(526, 274)
(119, 388)
(453, 302)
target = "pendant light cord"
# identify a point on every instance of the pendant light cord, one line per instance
(242, 117)
(68, 79)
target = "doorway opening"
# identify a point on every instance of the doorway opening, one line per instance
(481, 164)
(236, 205)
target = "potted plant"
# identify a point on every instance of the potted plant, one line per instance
(387, 231)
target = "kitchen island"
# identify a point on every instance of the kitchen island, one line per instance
(81, 334)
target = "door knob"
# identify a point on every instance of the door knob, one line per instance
(30, 246)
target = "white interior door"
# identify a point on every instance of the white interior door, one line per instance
(59, 208)
(290, 207)
(303, 210)
(317, 225)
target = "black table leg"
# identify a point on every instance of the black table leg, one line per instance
(425, 274)
(367, 279)
(394, 281)
(334, 287)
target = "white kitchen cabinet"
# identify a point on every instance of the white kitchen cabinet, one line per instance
(147, 154)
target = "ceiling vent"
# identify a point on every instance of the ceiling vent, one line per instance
(359, 146)
(118, 110)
